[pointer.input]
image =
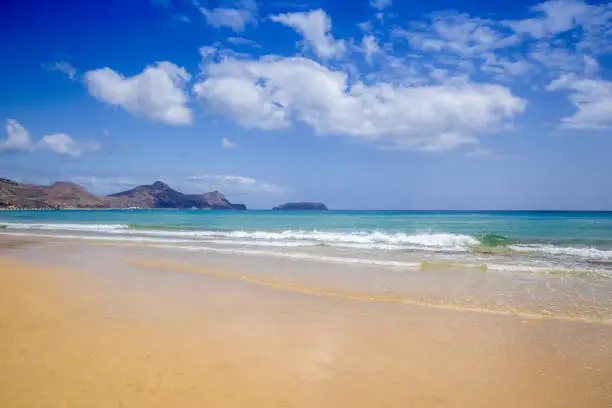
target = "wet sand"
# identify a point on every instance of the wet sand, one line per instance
(78, 330)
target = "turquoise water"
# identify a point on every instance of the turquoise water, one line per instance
(505, 240)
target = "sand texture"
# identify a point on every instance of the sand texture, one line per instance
(141, 336)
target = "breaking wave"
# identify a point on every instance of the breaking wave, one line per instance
(487, 244)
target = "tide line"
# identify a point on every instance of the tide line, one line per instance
(362, 297)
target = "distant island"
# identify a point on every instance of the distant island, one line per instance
(64, 195)
(307, 206)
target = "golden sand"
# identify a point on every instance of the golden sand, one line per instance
(167, 338)
(367, 297)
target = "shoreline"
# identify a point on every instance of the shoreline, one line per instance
(570, 296)
(114, 209)
(89, 328)
(437, 211)
(494, 259)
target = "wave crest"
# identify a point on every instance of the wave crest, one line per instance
(378, 240)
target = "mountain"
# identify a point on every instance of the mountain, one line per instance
(156, 195)
(219, 202)
(307, 206)
(63, 194)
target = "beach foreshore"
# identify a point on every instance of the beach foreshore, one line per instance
(107, 326)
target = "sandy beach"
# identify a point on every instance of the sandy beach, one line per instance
(103, 326)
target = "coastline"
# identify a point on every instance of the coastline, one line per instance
(94, 328)
(112, 209)
(564, 295)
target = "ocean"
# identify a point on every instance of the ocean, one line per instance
(521, 241)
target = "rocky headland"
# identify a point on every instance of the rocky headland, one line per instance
(63, 195)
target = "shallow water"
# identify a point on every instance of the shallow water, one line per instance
(562, 242)
(532, 295)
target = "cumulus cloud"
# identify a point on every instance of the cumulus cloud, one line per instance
(17, 137)
(237, 17)
(429, 85)
(592, 99)
(157, 92)
(18, 140)
(315, 27)
(228, 144)
(275, 92)
(235, 96)
(63, 144)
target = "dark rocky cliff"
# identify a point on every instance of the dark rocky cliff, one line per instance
(219, 202)
(156, 195)
(69, 195)
(307, 206)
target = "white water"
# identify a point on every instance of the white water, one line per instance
(362, 240)
(172, 244)
(590, 253)
(377, 241)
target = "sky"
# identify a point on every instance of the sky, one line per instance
(360, 104)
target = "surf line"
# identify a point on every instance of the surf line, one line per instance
(358, 297)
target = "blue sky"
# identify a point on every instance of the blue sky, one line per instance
(384, 104)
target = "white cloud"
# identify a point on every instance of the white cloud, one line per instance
(592, 99)
(157, 92)
(17, 137)
(228, 144)
(554, 17)
(380, 4)
(315, 27)
(365, 26)
(237, 17)
(271, 93)
(369, 46)
(61, 143)
(229, 184)
(233, 18)
(590, 25)
(504, 68)
(218, 52)
(564, 36)
(235, 96)
(558, 59)
(65, 68)
(243, 41)
(459, 34)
